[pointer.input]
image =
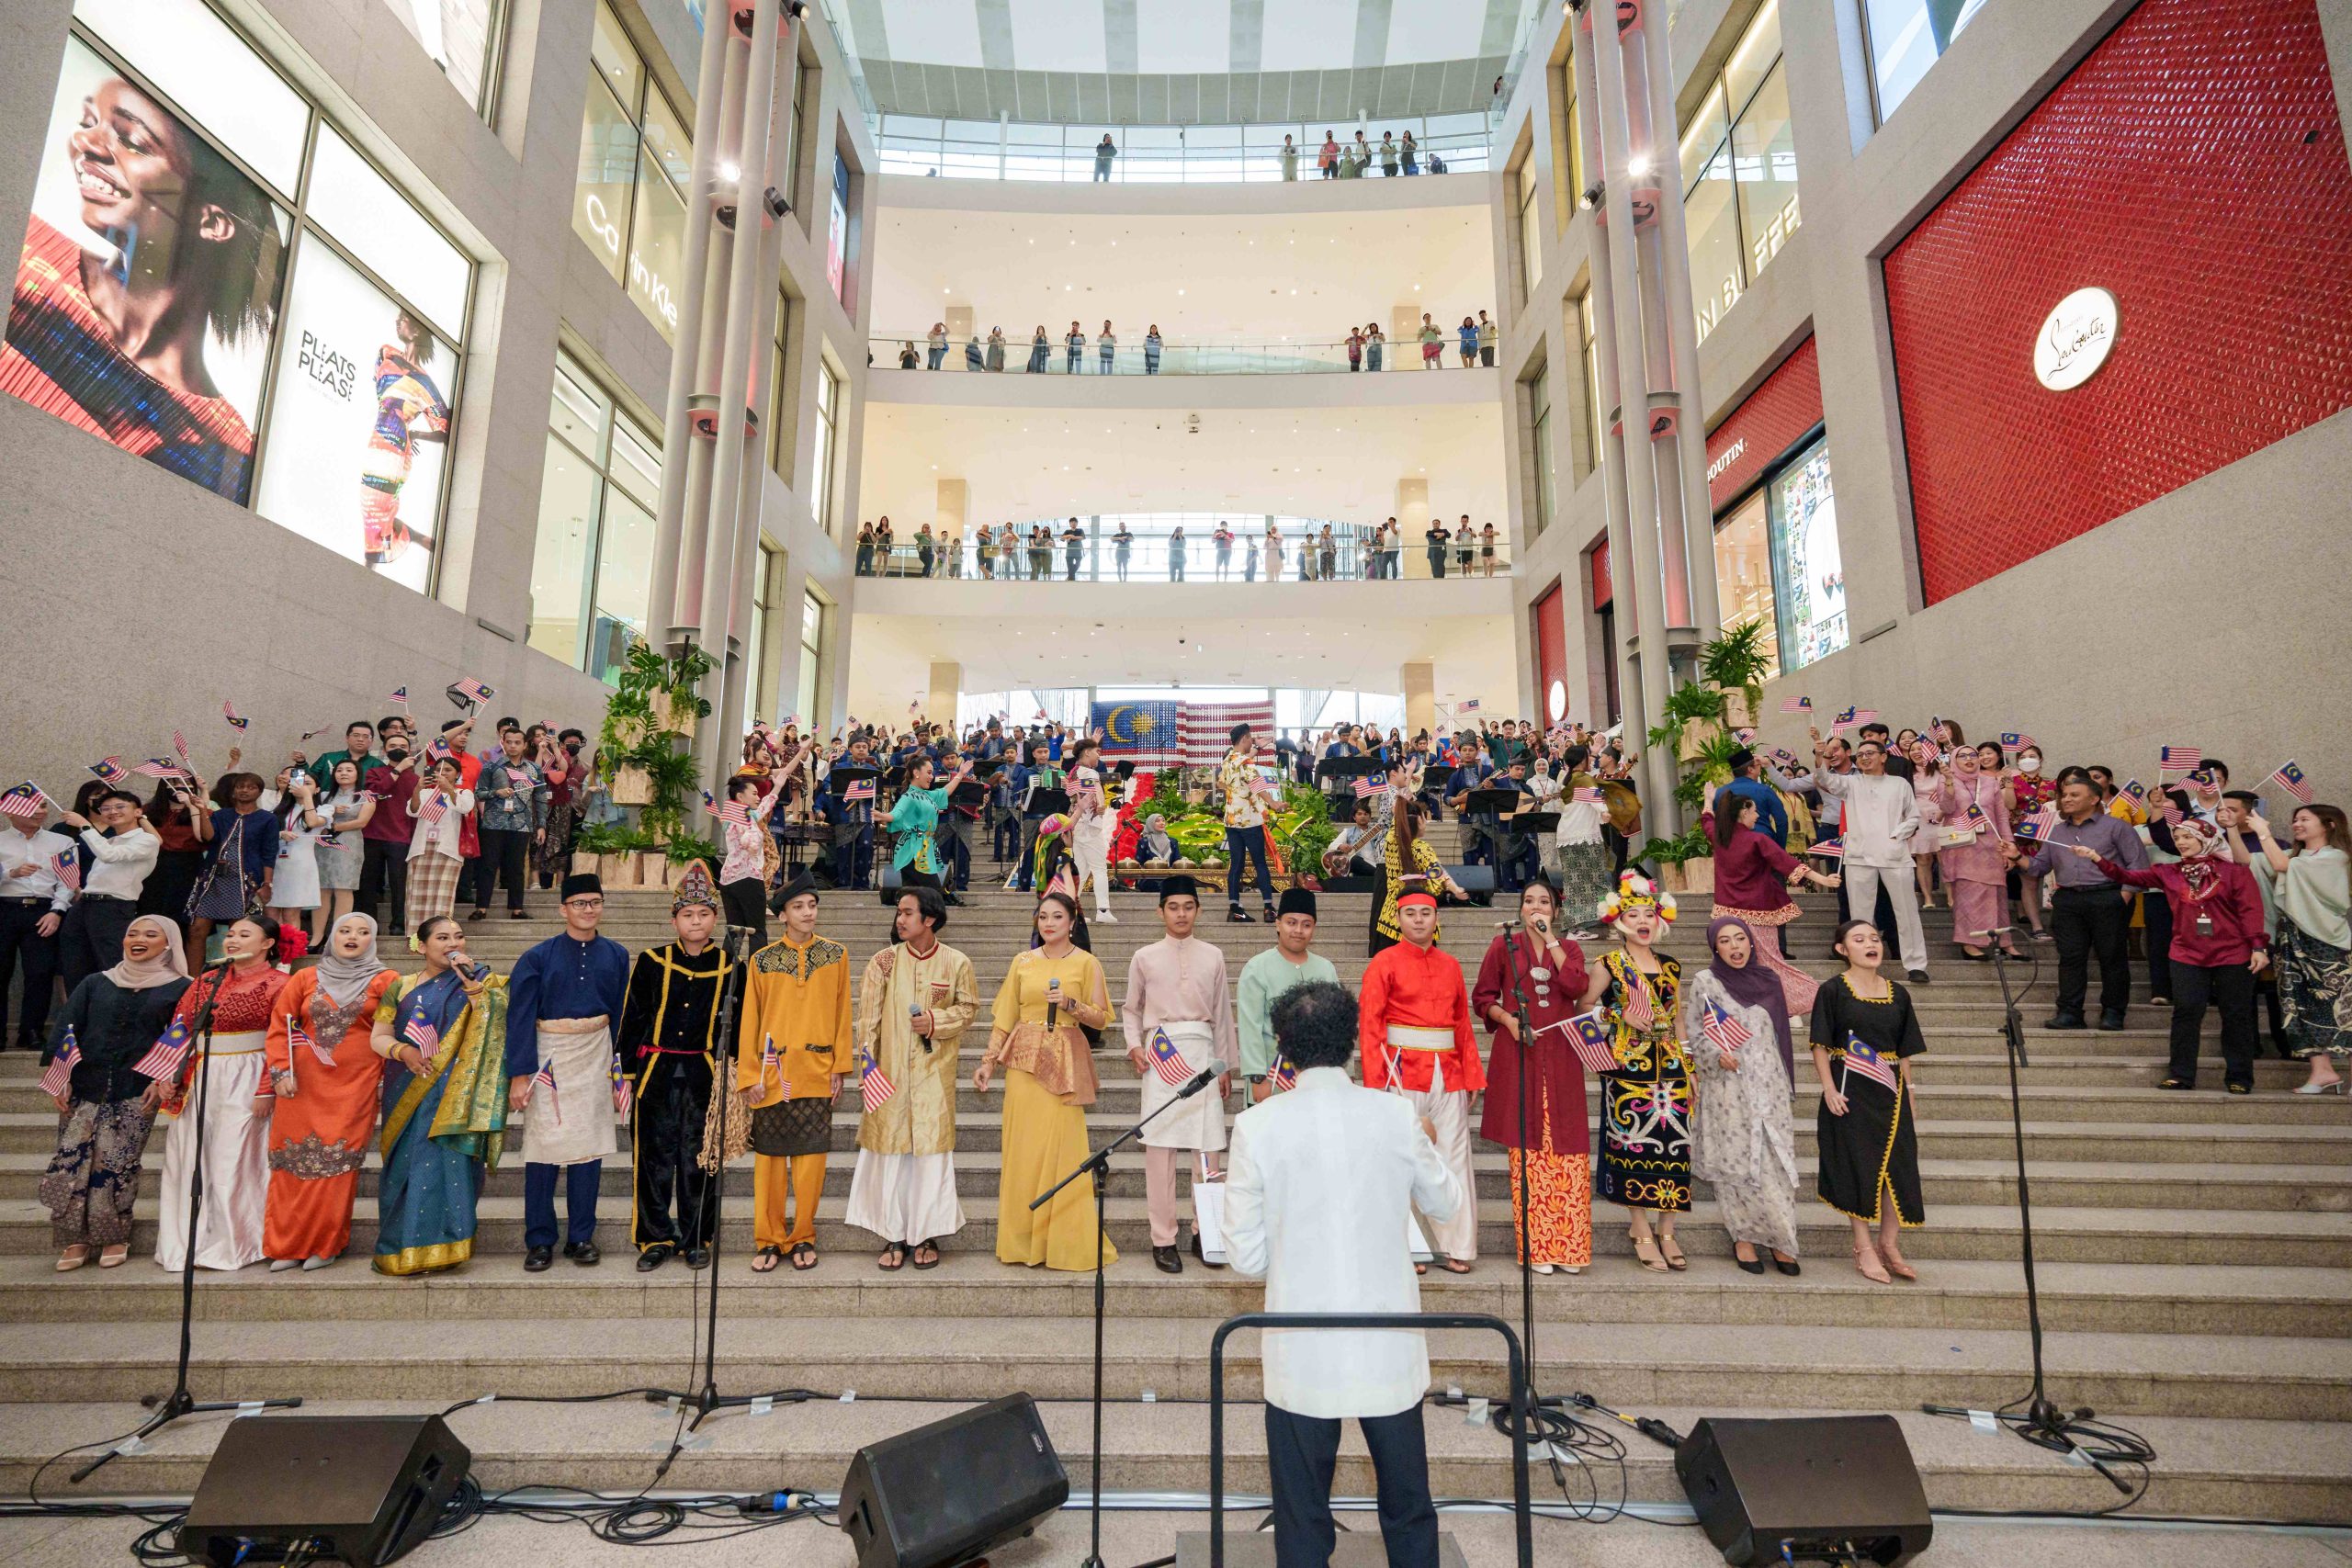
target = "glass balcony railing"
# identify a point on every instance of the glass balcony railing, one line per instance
(1155, 558)
(1136, 356)
(1172, 154)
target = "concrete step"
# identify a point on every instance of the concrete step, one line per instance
(2218, 1467)
(1978, 1232)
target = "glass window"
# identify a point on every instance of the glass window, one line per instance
(1744, 570)
(1539, 405)
(829, 399)
(766, 581)
(1591, 352)
(812, 645)
(319, 384)
(780, 444)
(1905, 37)
(635, 154)
(837, 232)
(593, 562)
(795, 130)
(1531, 238)
(462, 36)
(1807, 562)
(1739, 173)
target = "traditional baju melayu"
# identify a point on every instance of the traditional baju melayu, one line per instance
(1413, 1026)
(671, 1050)
(236, 1135)
(1264, 980)
(563, 1001)
(319, 1132)
(442, 1129)
(1554, 1159)
(796, 1001)
(1048, 1082)
(904, 1188)
(1177, 1000)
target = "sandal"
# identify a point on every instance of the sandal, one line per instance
(767, 1258)
(1673, 1254)
(804, 1257)
(894, 1258)
(1896, 1264)
(72, 1258)
(1645, 1249)
(1866, 1263)
(1454, 1265)
(931, 1262)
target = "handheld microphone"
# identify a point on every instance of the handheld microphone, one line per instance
(914, 1010)
(1053, 1005)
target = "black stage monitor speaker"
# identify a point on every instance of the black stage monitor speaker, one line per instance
(1824, 1484)
(357, 1489)
(957, 1489)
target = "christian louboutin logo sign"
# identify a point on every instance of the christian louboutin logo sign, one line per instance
(2076, 340)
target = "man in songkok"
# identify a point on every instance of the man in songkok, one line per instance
(792, 1054)
(563, 1001)
(1290, 961)
(1179, 1021)
(1413, 1026)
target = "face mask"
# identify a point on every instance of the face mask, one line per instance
(397, 753)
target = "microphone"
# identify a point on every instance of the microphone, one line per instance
(1996, 930)
(1201, 1080)
(914, 1010)
(1053, 1005)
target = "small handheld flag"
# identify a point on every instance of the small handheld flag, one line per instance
(162, 1059)
(59, 1078)
(228, 712)
(2136, 792)
(1834, 849)
(862, 790)
(2291, 778)
(399, 696)
(1796, 704)
(299, 1038)
(545, 1077)
(1726, 1031)
(472, 689)
(1639, 1010)
(1586, 796)
(1166, 1063)
(1866, 1059)
(67, 864)
(1864, 715)
(872, 1087)
(437, 749)
(2040, 825)
(1844, 719)
(623, 1090)
(1370, 784)
(730, 812)
(25, 800)
(2015, 739)
(310, 735)
(111, 771)
(432, 809)
(2179, 759)
(1978, 820)
(157, 768)
(421, 1034)
(180, 748)
(1285, 1074)
(1593, 1040)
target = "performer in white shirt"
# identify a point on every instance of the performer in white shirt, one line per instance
(1317, 1200)
(1094, 824)
(1879, 817)
(123, 851)
(33, 901)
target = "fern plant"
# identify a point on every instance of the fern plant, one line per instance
(1737, 660)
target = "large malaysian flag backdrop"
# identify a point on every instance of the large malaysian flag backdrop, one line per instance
(1143, 733)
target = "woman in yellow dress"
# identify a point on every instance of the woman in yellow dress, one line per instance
(1048, 1083)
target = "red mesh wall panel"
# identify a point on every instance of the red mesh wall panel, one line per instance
(2193, 165)
(1551, 641)
(1755, 434)
(1601, 589)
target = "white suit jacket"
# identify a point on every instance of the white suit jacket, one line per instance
(1316, 1187)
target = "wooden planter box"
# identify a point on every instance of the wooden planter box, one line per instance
(616, 872)
(632, 786)
(677, 716)
(1737, 715)
(629, 732)
(1691, 877)
(1696, 736)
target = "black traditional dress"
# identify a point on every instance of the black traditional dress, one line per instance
(669, 1039)
(1646, 1103)
(1873, 1146)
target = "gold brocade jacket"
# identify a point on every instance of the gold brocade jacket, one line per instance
(920, 1117)
(798, 998)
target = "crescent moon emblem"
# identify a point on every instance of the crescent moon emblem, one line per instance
(1111, 725)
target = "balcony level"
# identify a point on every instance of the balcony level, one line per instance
(1305, 197)
(1267, 374)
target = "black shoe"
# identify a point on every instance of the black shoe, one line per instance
(1792, 1268)
(1239, 917)
(2112, 1021)
(1269, 914)
(697, 1258)
(479, 915)
(1749, 1264)
(538, 1259)
(1917, 976)
(584, 1253)
(1203, 1255)
(654, 1256)
(1164, 1259)
(2063, 1020)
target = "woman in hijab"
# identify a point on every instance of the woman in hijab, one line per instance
(231, 1093)
(1743, 1138)
(325, 1072)
(112, 1020)
(1975, 826)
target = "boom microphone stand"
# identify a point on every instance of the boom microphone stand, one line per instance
(171, 1406)
(1099, 1162)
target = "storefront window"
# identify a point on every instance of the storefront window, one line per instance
(1744, 570)
(1907, 37)
(1811, 597)
(594, 560)
(351, 311)
(1739, 173)
(1531, 238)
(635, 155)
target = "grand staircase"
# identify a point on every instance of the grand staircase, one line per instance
(2195, 1250)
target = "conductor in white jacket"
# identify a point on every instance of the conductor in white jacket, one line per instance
(1318, 1183)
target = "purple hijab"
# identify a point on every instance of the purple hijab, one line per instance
(1753, 984)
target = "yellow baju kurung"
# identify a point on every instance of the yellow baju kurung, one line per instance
(795, 996)
(1048, 1082)
(904, 1189)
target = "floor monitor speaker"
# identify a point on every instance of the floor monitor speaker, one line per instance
(357, 1489)
(957, 1489)
(1826, 1486)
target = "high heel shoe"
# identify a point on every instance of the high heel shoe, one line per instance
(1867, 1264)
(2337, 1086)
(1896, 1264)
(1645, 1251)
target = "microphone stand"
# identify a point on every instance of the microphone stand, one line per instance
(171, 1406)
(1099, 1163)
(708, 1398)
(1526, 1043)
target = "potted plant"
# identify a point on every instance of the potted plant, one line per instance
(1693, 715)
(1736, 664)
(1686, 864)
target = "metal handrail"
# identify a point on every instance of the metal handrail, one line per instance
(1148, 559)
(1521, 1405)
(1134, 355)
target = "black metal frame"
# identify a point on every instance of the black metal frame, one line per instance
(1521, 1404)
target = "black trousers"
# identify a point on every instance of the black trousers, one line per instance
(2084, 921)
(505, 856)
(746, 903)
(1302, 1452)
(91, 938)
(2228, 986)
(20, 940)
(2157, 935)
(1249, 842)
(853, 857)
(383, 870)
(677, 1201)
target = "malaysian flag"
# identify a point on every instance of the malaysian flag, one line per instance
(520, 778)
(1204, 730)
(399, 696)
(60, 1075)
(24, 800)
(163, 1059)
(546, 1075)
(421, 1034)
(298, 1037)
(2040, 825)
(2178, 759)
(1726, 1032)
(1639, 1010)
(473, 691)
(67, 864)
(730, 812)
(623, 1091)
(433, 808)
(1468, 704)
(111, 771)
(862, 790)
(310, 735)
(1370, 784)
(1844, 720)
(770, 1063)
(1939, 730)
(1285, 1074)
(1978, 819)
(1864, 715)
(2136, 792)
(1588, 795)
(1593, 1040)
(1867, 1061)
(228, 712)
(179, 749)
(437, 750)
(2015, 739)
(872, 1087)
(2291, 778)
(157, 768)
(1168, 1063)
(1796, 704)
(1833, 848)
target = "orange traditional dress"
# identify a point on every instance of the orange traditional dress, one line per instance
(319, 1132)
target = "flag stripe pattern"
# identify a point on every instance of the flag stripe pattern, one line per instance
(1167, 1062)
(874, 1089)
(1204, 730)
(421, 1034)
(59, 1078)
(2040, 826)
(1796, 704)
(162, 1059)
(545, 1078)
(1866, 1060)
(1593, 1040)
(624, 1093)
(2291, 778)
(2179, 759)
(24, 800)
(1834, 849)
(1726, 1032)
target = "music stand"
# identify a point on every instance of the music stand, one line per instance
(1046, 802)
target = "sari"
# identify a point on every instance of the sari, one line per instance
(444, 1130)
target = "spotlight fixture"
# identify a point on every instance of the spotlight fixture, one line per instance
(773, 200)
(1594, 196)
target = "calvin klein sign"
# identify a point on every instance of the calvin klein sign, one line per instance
(2076, 340)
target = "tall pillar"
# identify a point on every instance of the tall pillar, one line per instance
(946, 685)
(1420, 679)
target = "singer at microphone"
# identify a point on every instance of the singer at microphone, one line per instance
(1180, 1024)
(915, 1001)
